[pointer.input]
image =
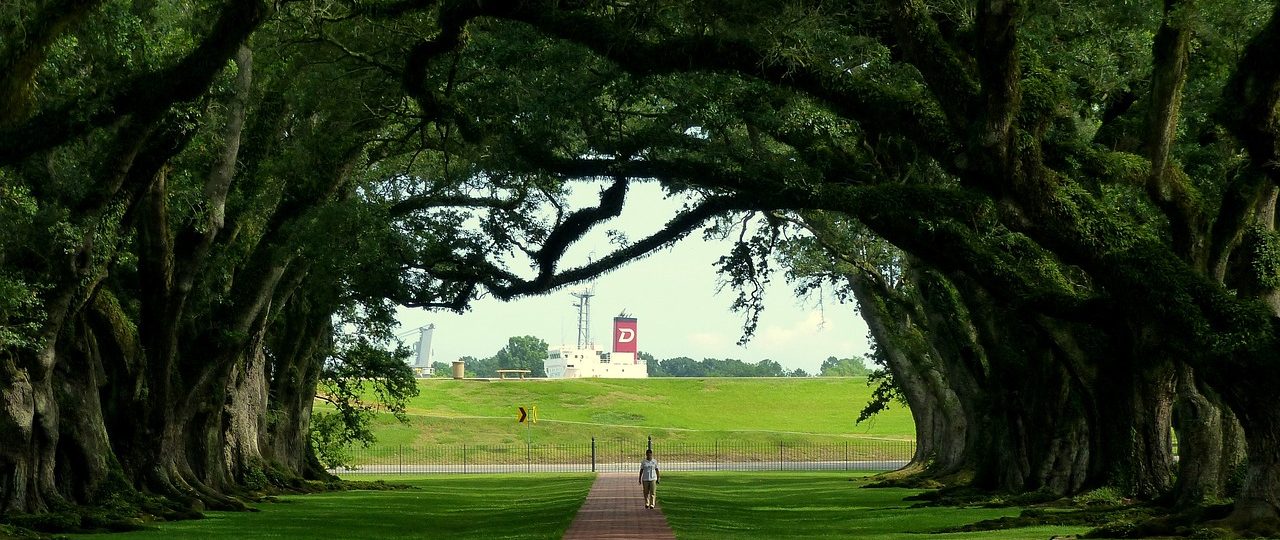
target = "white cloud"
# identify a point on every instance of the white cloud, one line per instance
(709, 341)
(800, 332)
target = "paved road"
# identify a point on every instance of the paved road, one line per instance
(629, 467)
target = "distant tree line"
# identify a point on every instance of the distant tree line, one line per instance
(843, 367)
(683, 366)
(521, 352)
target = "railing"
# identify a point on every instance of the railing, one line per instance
(624, 455)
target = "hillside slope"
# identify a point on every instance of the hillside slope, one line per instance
(676, 409)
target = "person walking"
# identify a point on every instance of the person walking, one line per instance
(649, 477)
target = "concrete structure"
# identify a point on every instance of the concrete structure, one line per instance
(584, 360)
(422, 353)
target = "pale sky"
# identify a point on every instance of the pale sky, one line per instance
(673, 295)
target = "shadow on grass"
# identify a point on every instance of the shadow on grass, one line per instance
(476, 506)
(818, 505)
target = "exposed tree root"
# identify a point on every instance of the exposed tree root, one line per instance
(1120, 519)
(1250, 527)
(918, 477)
(971, 496)
(10, 531)
(1048, 516)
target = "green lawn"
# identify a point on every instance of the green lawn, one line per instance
(762, 505)
(814, 505)
(676, 412)
(484, 412)
(805, 405)
(476, 506)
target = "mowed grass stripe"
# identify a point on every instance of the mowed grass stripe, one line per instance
(606, 425)
(742, 506)
(814, 505)
(475, 506)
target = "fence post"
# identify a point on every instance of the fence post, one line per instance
(650, 447)
(846, 455)
(779, 455)
(593, 454)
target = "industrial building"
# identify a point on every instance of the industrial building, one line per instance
(584, 360)
(422, 353)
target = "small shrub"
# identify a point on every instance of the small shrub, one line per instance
(1210, 532)
(9, 531)
(255, 479)
(1108, 496)
(50, 522)
(1115, 529)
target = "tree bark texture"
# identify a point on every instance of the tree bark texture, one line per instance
(942, 436)
(1210, 444)
(1035, 424)
(995, 396)
(299, 348)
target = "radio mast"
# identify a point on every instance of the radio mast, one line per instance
(584, 316)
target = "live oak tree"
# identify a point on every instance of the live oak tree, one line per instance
(843, 367)
(190, 224)
(191, 193)
(1159, 206)
(1003, 397)
(523, 352)
(90, 186)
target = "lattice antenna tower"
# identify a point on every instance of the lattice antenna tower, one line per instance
(584, 316)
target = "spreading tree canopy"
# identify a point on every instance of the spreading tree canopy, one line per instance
(1062, 215)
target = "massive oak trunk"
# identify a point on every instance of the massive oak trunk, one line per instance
(943, 443)
(31, 419)
(1135, 407)
(245, 427)
(84, 449)
(1036, 427)
(997, 401)
(1257, 507)
(300, 344)
(1019, 401)
(1210, 443)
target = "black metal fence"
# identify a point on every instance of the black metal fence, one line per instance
(613, 455)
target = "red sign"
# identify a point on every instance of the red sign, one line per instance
(624, 334)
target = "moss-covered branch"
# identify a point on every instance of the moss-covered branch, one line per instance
(1167, 185)
(147, 94)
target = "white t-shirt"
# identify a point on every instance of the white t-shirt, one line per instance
(649, 470)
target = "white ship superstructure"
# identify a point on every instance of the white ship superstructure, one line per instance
(584, 360)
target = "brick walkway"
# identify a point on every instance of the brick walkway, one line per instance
(615, 510)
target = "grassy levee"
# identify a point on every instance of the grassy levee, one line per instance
(700, 416)
(768, 505)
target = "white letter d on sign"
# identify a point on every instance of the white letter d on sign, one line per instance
(626, 335)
